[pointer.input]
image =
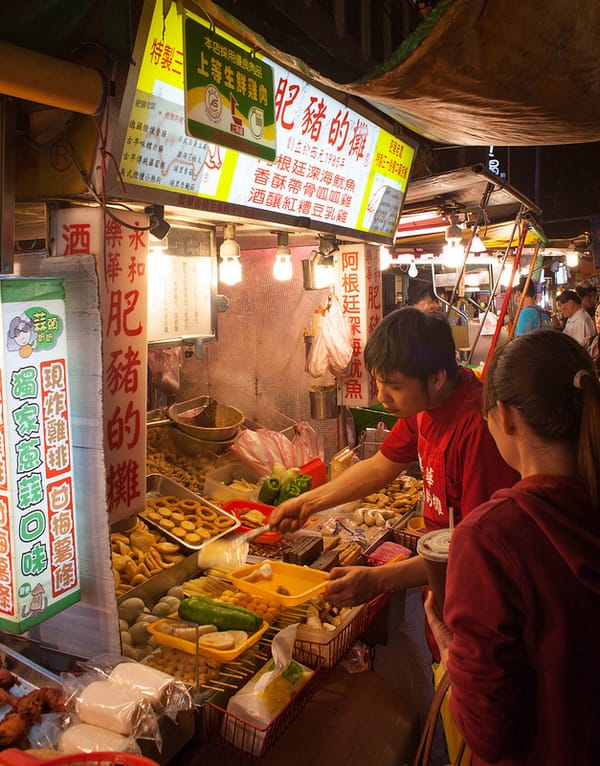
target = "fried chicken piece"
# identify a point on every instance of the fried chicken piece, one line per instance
(6, 698)
(29, 708)
(52, 699)
(8, 679)
(43, 700)
(13, 730)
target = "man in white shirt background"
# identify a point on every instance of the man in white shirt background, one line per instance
(579, 324)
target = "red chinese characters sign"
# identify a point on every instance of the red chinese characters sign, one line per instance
(333, 166)
(39, 568)
(358, 286)
(121, 249)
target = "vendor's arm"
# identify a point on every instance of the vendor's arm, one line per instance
(353, 585)
(361, 479)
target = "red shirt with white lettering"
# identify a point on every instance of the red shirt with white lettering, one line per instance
(470, 466)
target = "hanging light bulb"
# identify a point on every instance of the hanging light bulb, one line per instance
(230, 269)
(282, 268)
(506, 275)
(318, 269)
(413, 271)
(572, 257)
(453, 232)
(452, 255)
(385, 257)
(452, 252)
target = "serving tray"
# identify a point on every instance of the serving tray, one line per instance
(182, 516)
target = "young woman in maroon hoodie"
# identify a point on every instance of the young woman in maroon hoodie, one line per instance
(521, 623)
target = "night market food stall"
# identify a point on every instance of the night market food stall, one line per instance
(121, 325)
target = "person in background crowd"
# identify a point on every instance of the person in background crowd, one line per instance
(578, 323)
(427, 300)
(519, 635)
(412, 356)
(531, 316)
(588, 294)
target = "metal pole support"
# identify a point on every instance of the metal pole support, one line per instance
(8, 123)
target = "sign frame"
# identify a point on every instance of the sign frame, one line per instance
(216, 207)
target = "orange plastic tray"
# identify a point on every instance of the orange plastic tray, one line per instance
(224, 655)
(299, 583)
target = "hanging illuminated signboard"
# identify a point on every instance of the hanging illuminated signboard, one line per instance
(228, 93)
(334, 169)
(38, 566)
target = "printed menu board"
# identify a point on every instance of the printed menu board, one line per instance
(334, 169)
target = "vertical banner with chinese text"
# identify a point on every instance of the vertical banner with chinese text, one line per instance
(38, 567)
(121, 250)
(358, 286)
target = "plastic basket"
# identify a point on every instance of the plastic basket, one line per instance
(407, 538)
(329, 648)
(14, 757)
(250, 742)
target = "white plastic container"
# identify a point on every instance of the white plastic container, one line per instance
(216, 483)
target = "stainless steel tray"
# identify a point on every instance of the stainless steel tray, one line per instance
(158, 485)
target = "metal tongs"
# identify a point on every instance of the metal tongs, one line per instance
(252, 533)
(229, 551)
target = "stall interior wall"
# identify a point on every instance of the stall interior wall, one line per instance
(259, 356)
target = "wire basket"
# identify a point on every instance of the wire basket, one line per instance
(407, 538)
(14, 757)
(328, 648)
(248, 742)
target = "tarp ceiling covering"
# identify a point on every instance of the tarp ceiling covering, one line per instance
(480, 72)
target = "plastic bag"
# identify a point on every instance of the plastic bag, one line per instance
(332, 346)
(318, 357)
(165, 693)
(87, 738)
(338, 337)
(261, 449)
(357, 658)
(165, 366)
(267, 693)
(307, 444)
(94, 699)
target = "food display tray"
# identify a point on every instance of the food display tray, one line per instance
(158, 486)
(191, 647)
(237, 507)
(289, 584)
(217, 483)
(330, 646)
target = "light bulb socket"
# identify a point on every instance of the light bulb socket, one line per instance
(229, 249)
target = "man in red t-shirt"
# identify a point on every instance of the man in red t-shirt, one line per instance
(412, 357)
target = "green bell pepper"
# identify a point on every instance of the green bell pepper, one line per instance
(269, 491)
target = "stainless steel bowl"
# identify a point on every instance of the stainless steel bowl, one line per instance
(219, 422)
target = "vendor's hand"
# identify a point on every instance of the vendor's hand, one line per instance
(349, 586)
(441, 632)
(291, 514)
